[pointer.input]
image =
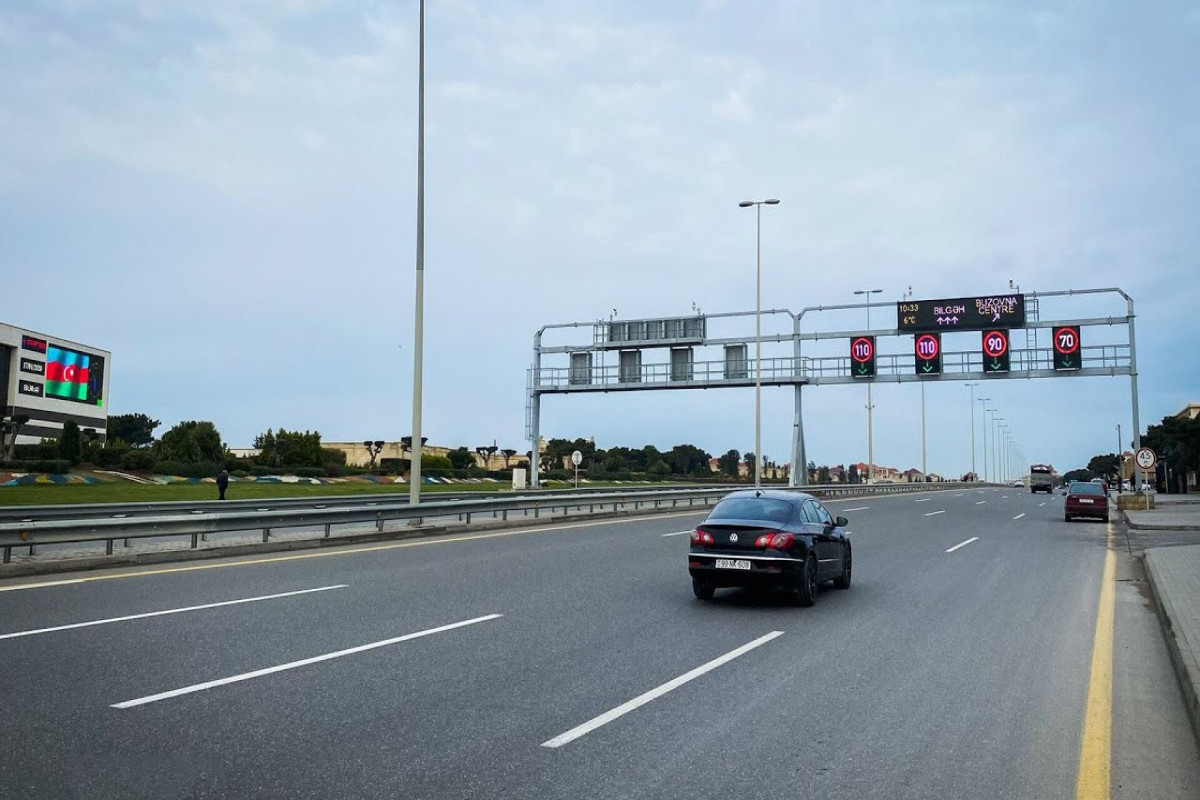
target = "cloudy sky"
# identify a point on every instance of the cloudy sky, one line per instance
(223, 195)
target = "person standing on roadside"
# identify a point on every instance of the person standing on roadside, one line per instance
(222, 482)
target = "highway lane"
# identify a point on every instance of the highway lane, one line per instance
(958, 674)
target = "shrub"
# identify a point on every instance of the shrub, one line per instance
(109, 457)
(393, 466)
(203, 469)
(136, 460)
(36, 452)
(308, 472)
(260, 472)
(240, 473)
(53, 466)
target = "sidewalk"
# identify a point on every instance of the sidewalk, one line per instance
(1173, 571)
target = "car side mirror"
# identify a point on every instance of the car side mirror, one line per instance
(842, 522)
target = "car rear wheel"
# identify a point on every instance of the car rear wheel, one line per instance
(805, 593)
(843, 580)
(1068, 517)
(703, 591)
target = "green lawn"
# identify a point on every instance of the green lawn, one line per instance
(129, 492)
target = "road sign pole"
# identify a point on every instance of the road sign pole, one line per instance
(924, 468)
(1133, 390)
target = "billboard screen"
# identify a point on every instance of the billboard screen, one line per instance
(75, 376)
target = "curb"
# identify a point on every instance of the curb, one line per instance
(1137, 527)
(169, 556)
(1184, 660)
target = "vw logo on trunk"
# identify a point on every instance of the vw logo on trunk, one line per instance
(733, 537)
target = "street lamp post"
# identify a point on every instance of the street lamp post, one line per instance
(758, 204)
(414, 484)
(984, 401)
(972, 386)
(870, 405)
(996, 445)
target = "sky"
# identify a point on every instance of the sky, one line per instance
(223, 194)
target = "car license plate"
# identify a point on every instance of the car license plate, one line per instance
(1086, 500)
(731, 563)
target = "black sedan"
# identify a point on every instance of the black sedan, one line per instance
(761, 537)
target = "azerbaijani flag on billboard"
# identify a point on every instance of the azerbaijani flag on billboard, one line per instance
(67, 374)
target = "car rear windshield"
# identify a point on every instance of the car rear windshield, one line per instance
(1087, 488)
(759, 509)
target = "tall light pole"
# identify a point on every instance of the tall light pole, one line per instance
(414, 484)
(870, 405)
(985, 401)
(996, 445)
(758, 459)
(972, 386)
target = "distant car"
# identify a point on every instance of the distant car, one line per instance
(1019, 484)
(1085, 500)
(1102, 482)
(784, 540)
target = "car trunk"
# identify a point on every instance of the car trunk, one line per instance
(746, 531)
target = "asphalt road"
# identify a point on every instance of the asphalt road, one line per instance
(959, 674)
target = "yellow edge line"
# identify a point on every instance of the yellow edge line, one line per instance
(348, 551)
(1095, 750)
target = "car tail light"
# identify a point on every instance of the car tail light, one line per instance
(701, 536)
(764, 540)
(781, 541)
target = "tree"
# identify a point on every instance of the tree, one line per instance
(687, 459)
(508, 453)
(728, 463)
(750, 459)
(460, 458)
(135, 430)
(1078, 475)
(192, 442)
(68, 443)
(284, 448)
(1177, 443)
(852, 474)
(1104, 465)
(823, 475)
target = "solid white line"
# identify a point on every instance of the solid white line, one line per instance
(934, 513)
(923, 500)
(19, 634)
(678, 533)
(963, 544)
(856, 508)
(642, 699)
(258, 673)
(1018, 516)
(41, 585)
(981, 502)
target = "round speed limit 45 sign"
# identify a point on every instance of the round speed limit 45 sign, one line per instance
(1146, 459)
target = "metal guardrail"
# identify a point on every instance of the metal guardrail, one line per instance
(163, 507)
(198, 525)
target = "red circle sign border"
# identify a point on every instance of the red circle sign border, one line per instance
(1074, 333)
(1002, 335)
(937, 345)
(869, 344)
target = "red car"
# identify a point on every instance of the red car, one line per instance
(1086, 500)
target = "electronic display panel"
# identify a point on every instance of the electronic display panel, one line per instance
(75, 376)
